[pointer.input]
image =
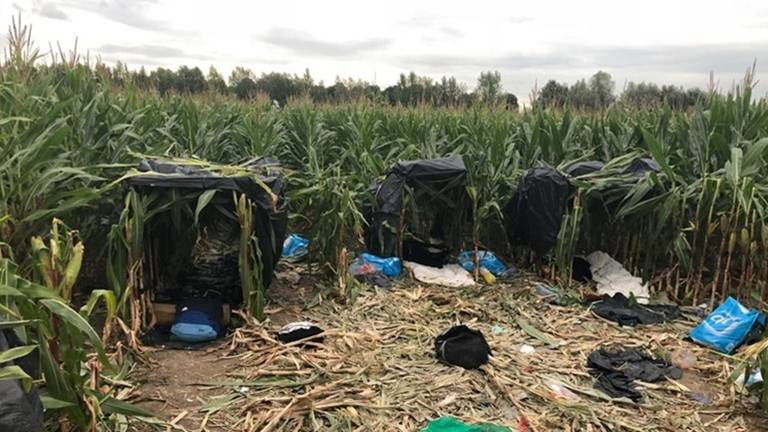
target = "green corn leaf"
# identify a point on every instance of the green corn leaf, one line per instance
(16, 352)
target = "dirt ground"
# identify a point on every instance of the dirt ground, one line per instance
(377, 372)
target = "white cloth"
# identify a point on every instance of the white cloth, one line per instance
(612, 278)
(451, 275)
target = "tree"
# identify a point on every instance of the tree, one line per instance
(489, 87)
(190, 80)
(279, 86)
(141, 80)
(246, 88)
(164, 79)
(216, 81)
(601, 85)
(238, 74)
(510, 102)
(580, 95)
(553, 94)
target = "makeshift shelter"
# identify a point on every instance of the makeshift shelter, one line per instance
(193, 229)
(535, 213)
(435, 186)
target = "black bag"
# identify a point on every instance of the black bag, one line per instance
(462, 346)
(20, 411)
(427, 254)
(296, 331)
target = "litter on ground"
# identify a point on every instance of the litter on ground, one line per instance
(612, 278)
(376, 369)
(450, 275)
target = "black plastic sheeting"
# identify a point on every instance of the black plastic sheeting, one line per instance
(462, 346)
(20, 411)
(584, 168)
(534, 214)
(617, 368)
(642, 165)
(270, 219)
(430, 174)
(619, 309)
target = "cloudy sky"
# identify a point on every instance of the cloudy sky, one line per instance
(665, 41)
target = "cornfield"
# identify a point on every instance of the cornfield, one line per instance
(698, 229)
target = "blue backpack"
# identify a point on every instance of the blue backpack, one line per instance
(197, 320)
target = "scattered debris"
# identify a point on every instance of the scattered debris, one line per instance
(728, 326)
(451, 424)
(295, 248)
(488, 261)
(612, 278)
(627, 312)
(462, 346)
(616, 369)
(451, 275)
(684, 358)
(527, 349)
(560, 391)
(548, 293)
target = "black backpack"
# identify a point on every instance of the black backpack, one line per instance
(462, 346)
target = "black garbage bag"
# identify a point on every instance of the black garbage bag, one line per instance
(584, 168)
(581, 271)
(20, 411)
(428, 254)
(617, 368)
(462, 346)
(642, 165)
(300, 330)
(534, 214)
(619, 309)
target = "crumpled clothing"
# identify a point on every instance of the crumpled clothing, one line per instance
(616, 369)
(462, 346)
(619, 309)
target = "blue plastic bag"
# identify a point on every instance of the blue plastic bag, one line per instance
(727, 327)
(390, 266)
(486, 259)
(295, 247)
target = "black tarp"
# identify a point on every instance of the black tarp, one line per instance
(642, 165)
(535, 212)
(271, 215)
(435, 176)
(584, 168)
(20, 411)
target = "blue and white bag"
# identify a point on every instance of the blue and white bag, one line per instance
(728, 326)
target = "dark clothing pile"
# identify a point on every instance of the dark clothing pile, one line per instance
(629, 313)
(462, 346)
(616, 369)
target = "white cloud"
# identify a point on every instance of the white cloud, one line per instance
(528, 42)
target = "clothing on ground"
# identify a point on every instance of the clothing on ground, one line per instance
(616, 369)
(627, 313)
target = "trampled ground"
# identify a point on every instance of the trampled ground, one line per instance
(377, 371)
